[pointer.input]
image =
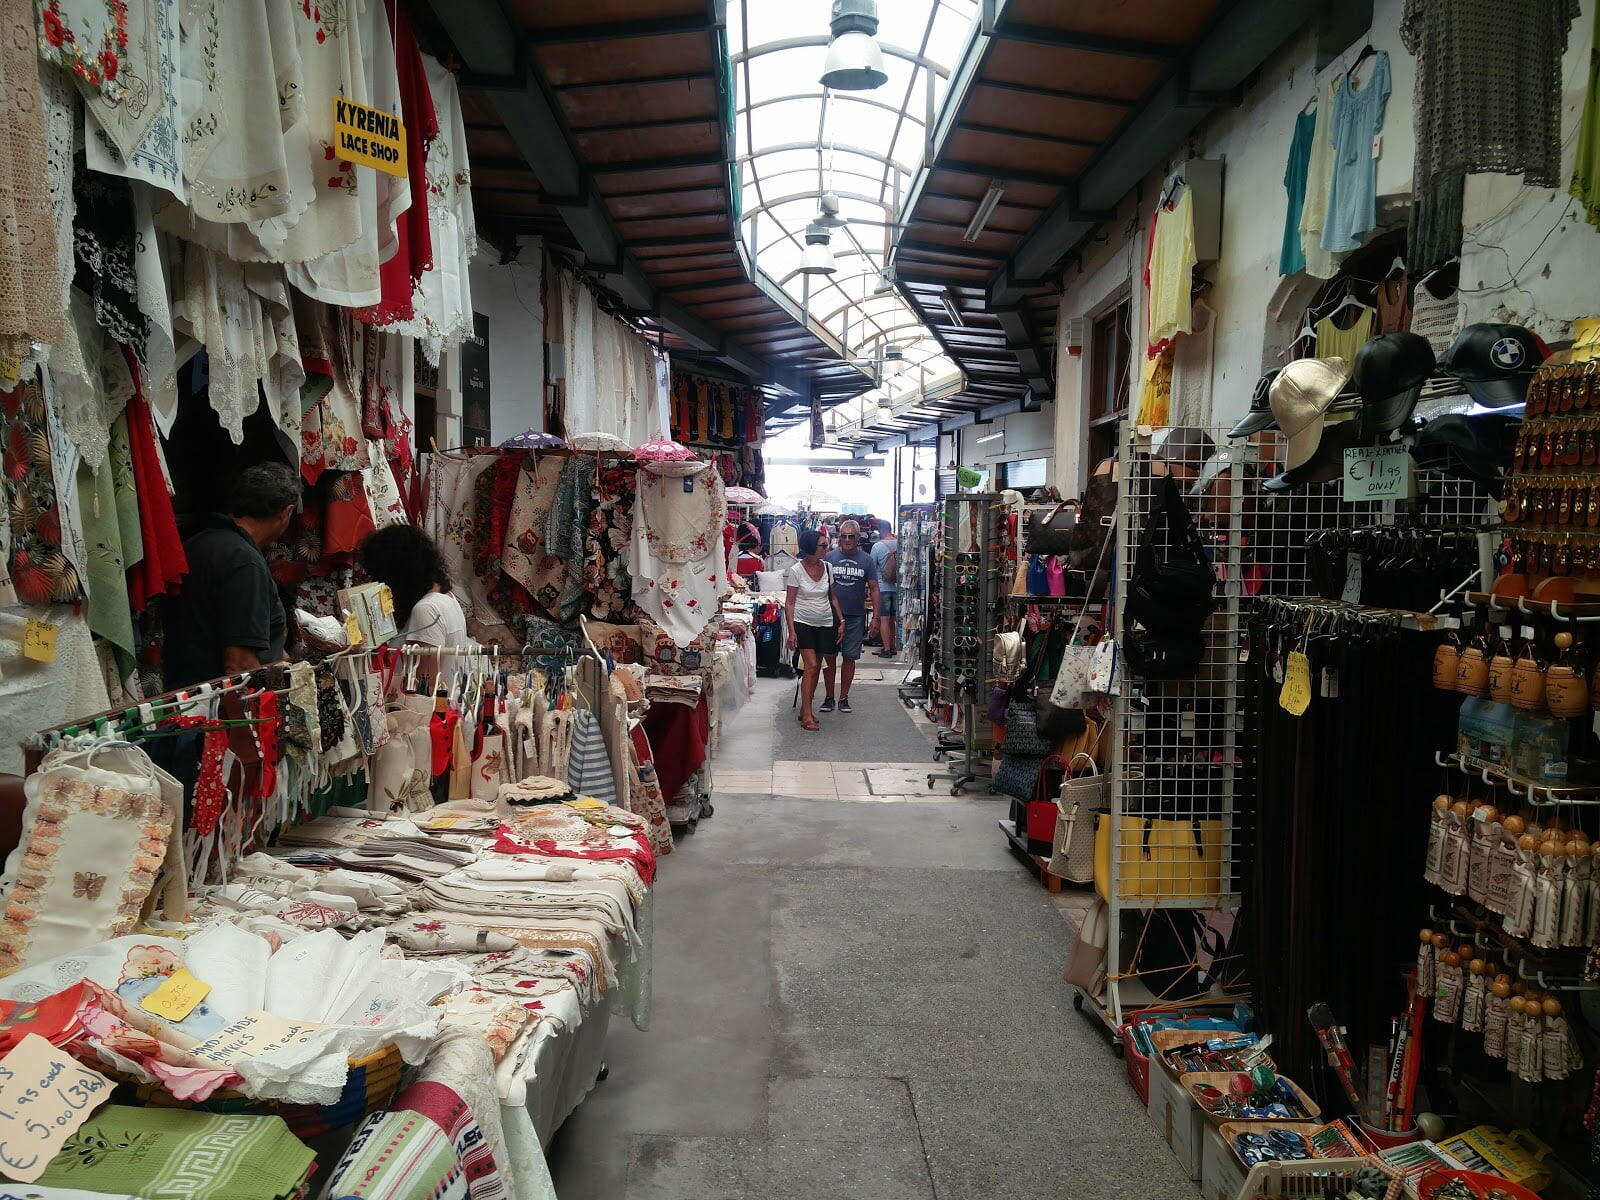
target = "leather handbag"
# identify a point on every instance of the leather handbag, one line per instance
(995, 706)
(1164, 656)
(1056, 722)
(1096, 521)
(1086, 961)
(1022, 729)
(1081, 797)
(1018, 774)
(1159, 859)
(1049, 530)
(1171, 587)
(1038, 577)
(1055, 576)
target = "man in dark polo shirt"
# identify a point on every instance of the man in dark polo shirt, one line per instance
(228, 618)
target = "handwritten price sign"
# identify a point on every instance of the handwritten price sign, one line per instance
(1378, 473)
(44, 1097)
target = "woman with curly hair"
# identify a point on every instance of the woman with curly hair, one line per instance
(425, 611)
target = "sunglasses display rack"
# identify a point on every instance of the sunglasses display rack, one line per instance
(969, 563)
(916, 530)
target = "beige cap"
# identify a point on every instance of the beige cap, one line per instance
(1301, 396)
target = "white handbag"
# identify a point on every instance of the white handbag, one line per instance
(1081, 798)
(1072, 677)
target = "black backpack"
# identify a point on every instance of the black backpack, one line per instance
(1170, 592)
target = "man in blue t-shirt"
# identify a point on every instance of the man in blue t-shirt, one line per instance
(855, 582)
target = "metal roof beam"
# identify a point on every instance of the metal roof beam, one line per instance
(1095, 43)
(617, 30)
(494, 48)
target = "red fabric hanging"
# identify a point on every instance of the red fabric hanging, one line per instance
(414, 253)
(164, 563)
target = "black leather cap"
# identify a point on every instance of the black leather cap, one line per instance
(1494, 362)
(1476, 448)
(1260, 415)
(1326, 462)
(1389, 373)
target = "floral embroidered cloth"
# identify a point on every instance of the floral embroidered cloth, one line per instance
(41, 572)
(138, 135)
(526, 557)
(678, 573)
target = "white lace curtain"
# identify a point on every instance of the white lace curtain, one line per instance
(612, 384)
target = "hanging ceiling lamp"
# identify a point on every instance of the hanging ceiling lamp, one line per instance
(854, 63)
(818, 257)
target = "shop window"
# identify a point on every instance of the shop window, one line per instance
(1110, 350)
(1022, 473)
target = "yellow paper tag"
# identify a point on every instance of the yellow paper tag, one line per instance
(44, 1096)
(586, 803)
(369, 136)
(39, 641)
(176, 998)
(352, 629)
(443, 823)
(386, 600)
(1295, 697)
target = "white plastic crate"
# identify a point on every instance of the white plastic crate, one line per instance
(1314, 1180)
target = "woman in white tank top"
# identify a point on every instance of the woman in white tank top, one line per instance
(813, 616)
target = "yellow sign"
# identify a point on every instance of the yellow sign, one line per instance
(585, 803)
(176, 998)
(44, 1096)
(369, 137)
(39, 641)
(1295, 697)
(386, 600)
(352, 629)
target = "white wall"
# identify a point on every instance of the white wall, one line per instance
(1024, 435)
(509, 296)
(1217, 367)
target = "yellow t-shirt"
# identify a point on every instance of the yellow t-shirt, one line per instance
(1172, 261)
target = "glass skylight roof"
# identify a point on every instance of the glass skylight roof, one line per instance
(796, 141)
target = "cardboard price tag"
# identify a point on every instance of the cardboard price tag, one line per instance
(44, 1096)
(1295, 697)
(176, 998)
(352, 629)
(1378, 473)
(39, 641)
(585, 802)
(254, 1034)
(386, 600)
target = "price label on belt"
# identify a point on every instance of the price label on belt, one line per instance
(1295, 697)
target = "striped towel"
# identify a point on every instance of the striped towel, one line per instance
(588, 763)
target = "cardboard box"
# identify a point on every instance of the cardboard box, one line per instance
(1221, 1174)
(1177, 1118)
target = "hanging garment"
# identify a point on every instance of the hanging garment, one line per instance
(1394, 305)
(92, 382)
(1586, 178)
(243, 314)
(1436, 318)
(1169, 275)
(442, 303)
(138, 136)
(1334, 342)
(1488, 99)
(1357, 120)
(1155, 396)
(527, 557)
(233, 58)
(1291, 257)
(111, 528)
(332, 348)
(163, 562)
(41, 571)
(678, 573)
(346, 270)
(588, 763)
(29, 281)
(609, 539)
(413, 236)
(1319, 181)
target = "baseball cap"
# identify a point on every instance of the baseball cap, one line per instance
(1182, 446)
(1389, 372)
(1260, 415)
(1301, 396)
(1494, 362)
(1475, 448)
(1326, 461)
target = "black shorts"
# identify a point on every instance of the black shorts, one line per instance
(824, 639)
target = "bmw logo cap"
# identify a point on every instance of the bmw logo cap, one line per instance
(1494, 362)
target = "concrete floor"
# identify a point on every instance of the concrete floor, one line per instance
(856, 997)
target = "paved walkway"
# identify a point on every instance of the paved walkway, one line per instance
(858, 995)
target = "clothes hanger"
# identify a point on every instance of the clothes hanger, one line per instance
(1367, 51)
